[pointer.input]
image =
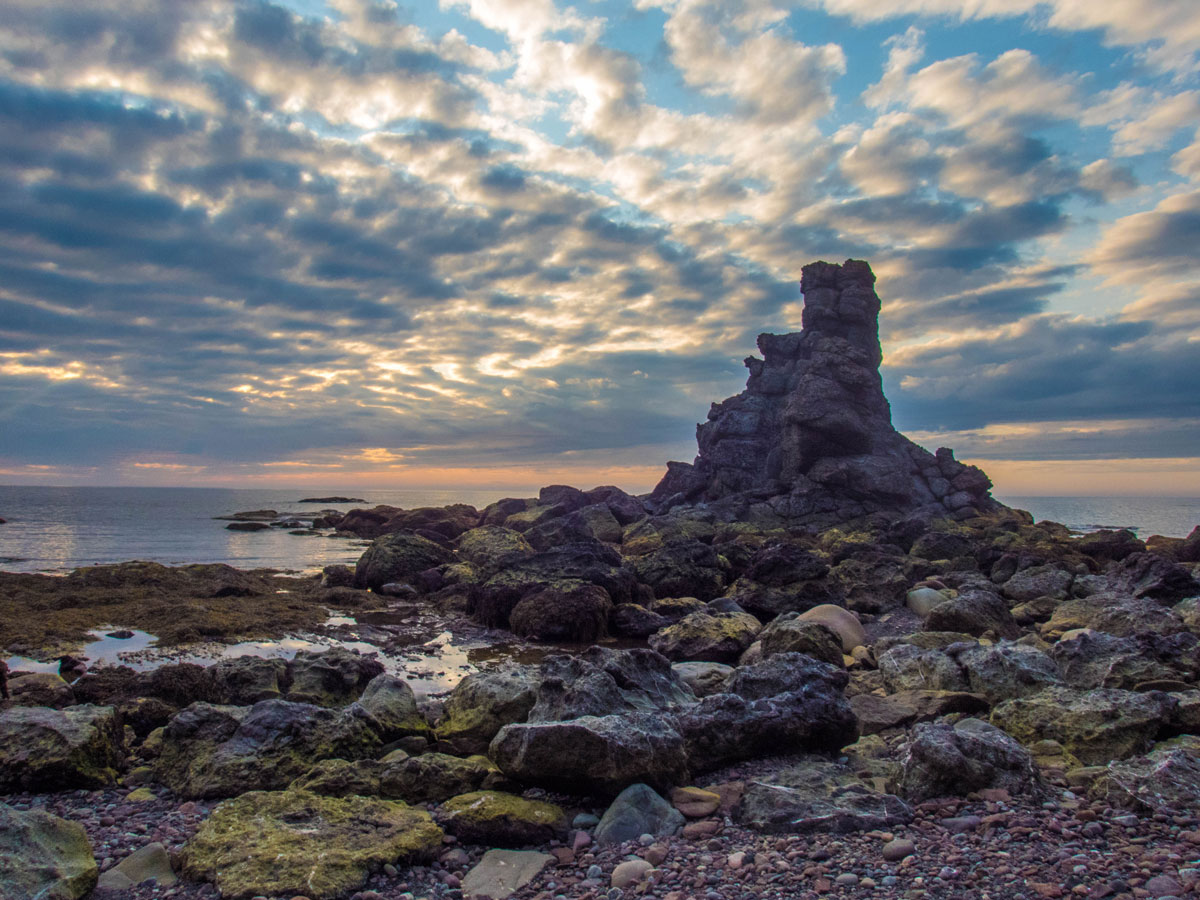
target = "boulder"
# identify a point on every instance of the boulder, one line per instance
(285, 843)
(791, 633)
(907, 667)
(1096, 726)
(221, 751)
(148, 863)
(1109, 545)
(246, 680)
(483, 703)
(1038, 581)
(40, 689)
(941, 545)
(497, 819)
(682, 568)
(819, 796)
(1002, 671)
(1093, 659)
(400, 556)
(44, 749)
(944, 760)
(593, 754)
(1153, 576)
(601, 682)
(491, 548)
(638, 810)
(427, 778)
(922, 600)
(1116, 614)
(975, 612)
(589, 523)
(44, 857)
(704, 678)
(625, 507)
(635, 620)
(392, 708)
(707, 637)
(789, 703)
(782, 578)
(501, 873)
(1164, 780)
(330, 678)
(842, 622)
(566, 611)
(907, 708)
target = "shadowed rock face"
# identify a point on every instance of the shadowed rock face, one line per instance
(811, 440)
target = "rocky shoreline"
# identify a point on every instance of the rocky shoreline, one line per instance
(816, 662)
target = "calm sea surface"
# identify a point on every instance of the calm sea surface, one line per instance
(57, 529)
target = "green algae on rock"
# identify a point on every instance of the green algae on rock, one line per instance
(502, 820)
(43, 856)
(284, 843)
(49, 749)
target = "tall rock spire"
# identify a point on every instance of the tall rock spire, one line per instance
(811, 437)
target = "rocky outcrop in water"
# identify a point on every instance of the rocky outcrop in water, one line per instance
(810, 440)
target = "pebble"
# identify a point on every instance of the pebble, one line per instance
(630, 872)
(898, 849)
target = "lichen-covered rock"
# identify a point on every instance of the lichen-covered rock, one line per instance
(392, 707)
(682, 568)
(638, 810)
(1108, 545)
(1116, 614)
(1165, 779)
(44, 857)
(44, 749)
(707, 637)
(400, 556)
(1038, 581)
(783, 578)
(496, 819)
(221, 751)
(491, 548)
(40, 689)
(285, 843)
(566, 611)
(635, 620)
(1002, 671)
(593, 754)
(483, 703)
(332, 678)
(589, 523)
(1093, 659)
(427, 778)
(943, 760)
(907, 667)
(791, 633)
(1096, 726)
(975, 612)
(1155, 577)
(821, 796)
(601, 682)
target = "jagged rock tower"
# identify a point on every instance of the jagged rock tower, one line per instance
(810, 440)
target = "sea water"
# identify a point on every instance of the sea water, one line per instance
(57, 529)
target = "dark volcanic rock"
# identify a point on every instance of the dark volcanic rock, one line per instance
(812, 433)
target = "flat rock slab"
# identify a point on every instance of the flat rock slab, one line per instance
(43, 856)
(286, 843)
(819, 796)
(501, 873)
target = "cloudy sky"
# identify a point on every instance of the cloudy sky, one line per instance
(508, 242)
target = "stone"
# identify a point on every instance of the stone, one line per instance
(819, 796)
(922, 600)
(1038, 581)
(792, 633)
(331, 678)
(44, 857)
(1096, 726)
(812, 431)
(399, 556)
(601, 754)
(1108, 545)
(565, 611)
(40, 689)
(1154, 577)
(897, 849)
(491, 548)
(905, 708)
(427, 778)
(635, 620)
(682, 568)
(789, 703)
(293, 842)
(501, 873)
(840, 621)
(975, 612)
(908, 667)
(1005, 670)
(638, 810)
(221, 751)
(497, 819)
(1166, 778)
(44, 749)
(600, 682)
(594, 522)
(1093, 659)
(1112, 613)
(145, 863)
(694, 802)
(704, 678)
(951, 760)
(483, 703)
(629, 873)
(707, 637)
(392, 708)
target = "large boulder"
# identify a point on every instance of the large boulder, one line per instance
(792, 633)
(483, 703)
(398, 557)
(785, 578)
(1155, 577)
(1118, 614)
(789, 703)
(973, 611)
(908, 667)
(427, 778)
(1094, 659)
(496, 819)
(1002, 671)
(602, 682)
(44, 857)
(491, 548)
(285, 843)
(1038, 581)
(44, 749)
(842, 622)
(589, 523)
(1165, 779)
(906, 708)
(818, 796)
(625, 507)
(952, 760)
(245, 680)
(593, 754)
(707, 637)
(40, 689)
(1096, 726)
(392, 708)
(565, 611)
(333, 677)
(682, 568)
(221, 751)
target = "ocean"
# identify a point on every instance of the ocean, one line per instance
(57, 529)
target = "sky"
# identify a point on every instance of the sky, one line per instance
(506, 243)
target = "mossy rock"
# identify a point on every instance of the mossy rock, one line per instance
(284, 843)
(792, 634)
(483, 703)
(398, 557)
(43, 856)
(502, 820)
(567, 611)
(428, 778)
(707, 637)
(50, 749)
(492, 547)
